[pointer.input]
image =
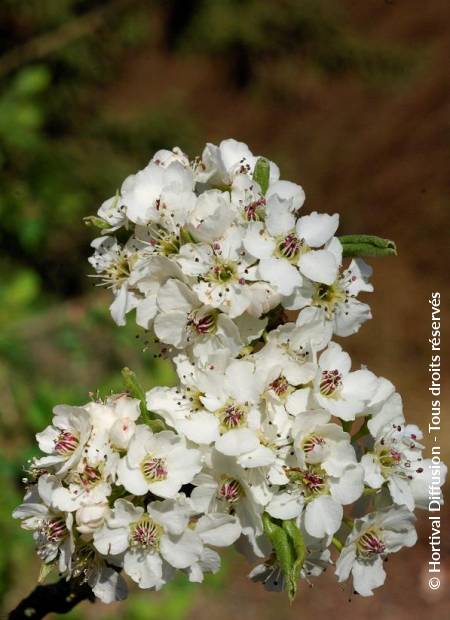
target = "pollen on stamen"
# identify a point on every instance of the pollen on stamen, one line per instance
(154, 468)
(330, 382)
(146, 533)
(230, 490)
(66, 443)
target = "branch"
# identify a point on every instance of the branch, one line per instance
(50, 42)
(59, 597)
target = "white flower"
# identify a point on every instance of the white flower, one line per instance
(114, 265)
(211, 216)
(220, 164)
(227, 489)
(89, 566)
(343, 393)
(52, 528)
(320, 495)
(247, 199)
(149, 544)
(156, 190)
(106, 583)
(222, 270)
(385, 408)
(113, 213)
(113, 421)
(157, 462)
(395, 458)
(220, 402)
(317, 440)
(432, 477)
(286, 247)
(322, 475)
(181, 407)
(64, 439)
(373, 538)
(233, 396)
(183, 322)
(89, 482)
(336, 302)
(149, 275)
(164, 157)
(287, 359)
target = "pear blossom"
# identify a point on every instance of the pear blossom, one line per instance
(320, 495)
(150, 274)
(183, 321)
(113, 422)
(337, 301)
(181, 407)
(51, 527)
(267, 434)
(220, 164)
(343, 393)
(226, 488)
(395, 459)
(157, 462)
(223, 272)
(106, 582)
(64, 439)
(372, 539)
(89, 483)
(112, 212)
(157, 189)
(149, 543)
(114, 265)
(283, 243)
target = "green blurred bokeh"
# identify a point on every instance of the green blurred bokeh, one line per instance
(90, 89)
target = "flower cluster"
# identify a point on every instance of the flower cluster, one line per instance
(269, 439)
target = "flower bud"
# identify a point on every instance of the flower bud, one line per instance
(90, 518)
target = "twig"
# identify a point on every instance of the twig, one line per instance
(59, 597)
(50, 42)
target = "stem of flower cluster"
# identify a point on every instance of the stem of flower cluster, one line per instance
(348, 521)
(347, 425)
(59, 597)
(362, 432)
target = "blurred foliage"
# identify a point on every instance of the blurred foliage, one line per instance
(247, 35)
(62, 153)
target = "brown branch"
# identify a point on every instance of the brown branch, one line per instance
(59, 597)
(50, 42)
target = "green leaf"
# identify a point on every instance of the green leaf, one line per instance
(97, 222)
(298, 544)
(261, 173)
(156, 425)
(135, 389)
(367, 245)
(284, 551)
(32, 80)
